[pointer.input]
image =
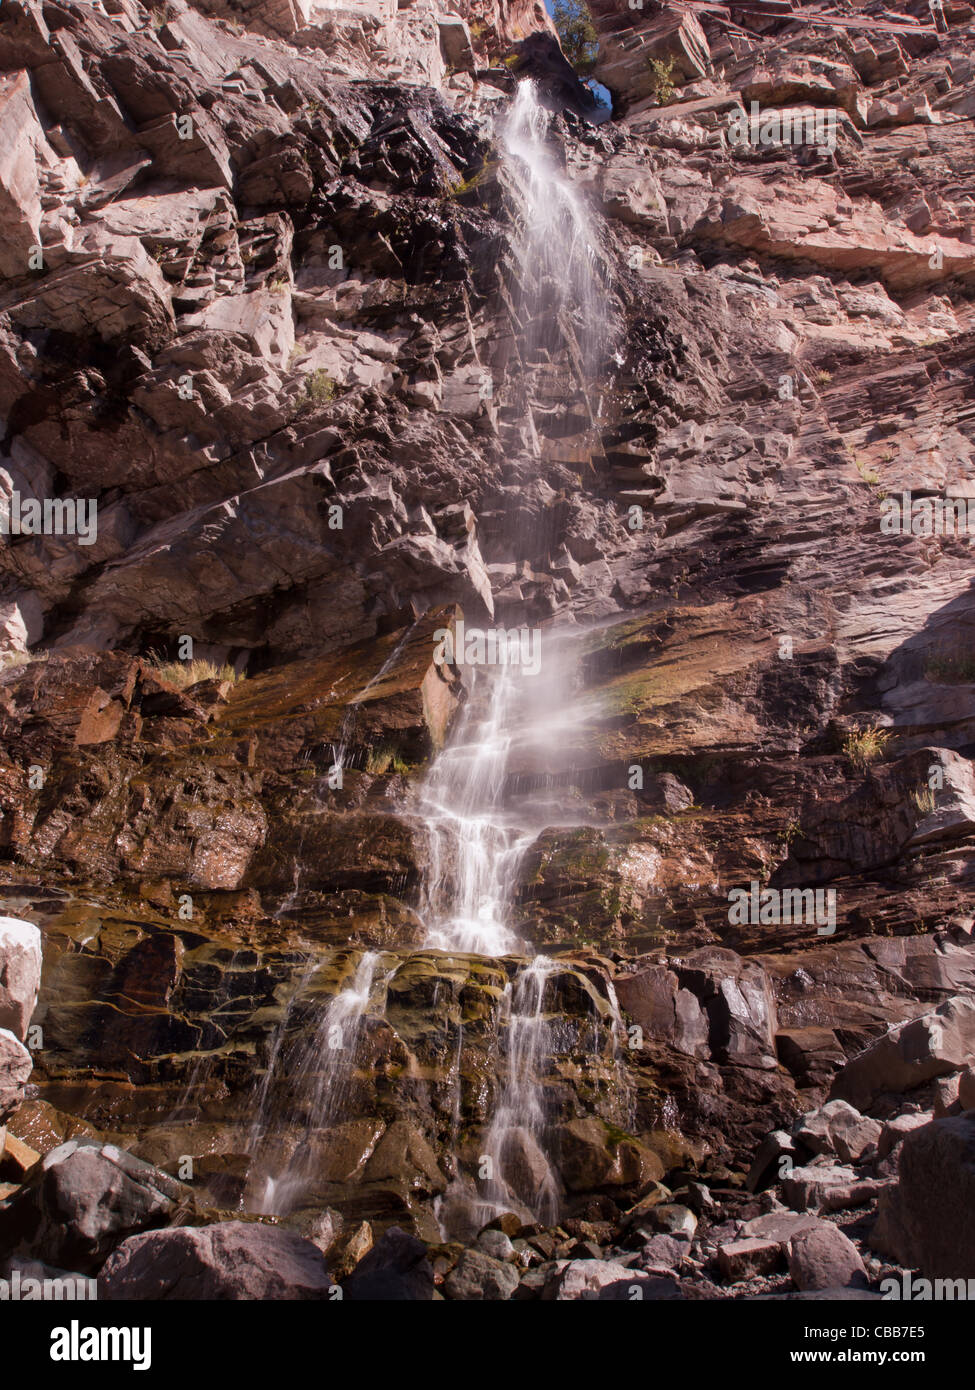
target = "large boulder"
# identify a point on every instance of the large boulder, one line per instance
(232, 1260)
(822, 1257)
(396, 1269)
(910, 1054)
(736, 996)
(839, 1129)
(664, 1011)
(20, 973)
(478, 1277)
(828, 1187)
(83, 1198)
(606, 1281)
(927, 1221)
(16, 1066)
(592, 1156)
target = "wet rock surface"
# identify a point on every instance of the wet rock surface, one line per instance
(266, 305)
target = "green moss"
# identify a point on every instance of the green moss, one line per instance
(616, 1136)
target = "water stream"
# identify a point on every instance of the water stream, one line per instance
(306, 1087)
(478, 828)
(516, 730)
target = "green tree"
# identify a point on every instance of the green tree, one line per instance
(577, 34)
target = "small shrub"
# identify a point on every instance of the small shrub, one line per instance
(662, 80)
(457, 190)
(386, 757)
(791, 832)
(183, 674)
(866, 746)
(923, 798)
(945, 669)
(319, 388)
(869, 475)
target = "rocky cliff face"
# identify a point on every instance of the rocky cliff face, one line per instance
(286, 392)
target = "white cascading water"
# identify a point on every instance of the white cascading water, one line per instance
(554, 239)
(478, 832)
(316, 1073)
(474, 848)
(513, 723)
(520, 1171)
(478, 828)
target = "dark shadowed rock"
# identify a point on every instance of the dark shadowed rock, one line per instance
(396, 1269)
(966, 1088)
(593, 1156)
(737, 998)
(927, 1221)
(542, 60)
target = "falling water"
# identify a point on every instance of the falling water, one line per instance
(474, 848)
(478, 830)
(520, 1172)
(478, 827)
(554, 242)
(340, 750)
(515, 728)
(316, 1073)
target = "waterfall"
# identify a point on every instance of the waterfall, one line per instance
(513, 723)
(488, 794)
(554, 242)
(520, 1172)
(513, 729)
(479, 822)
(307, 1084)
(473, 848)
